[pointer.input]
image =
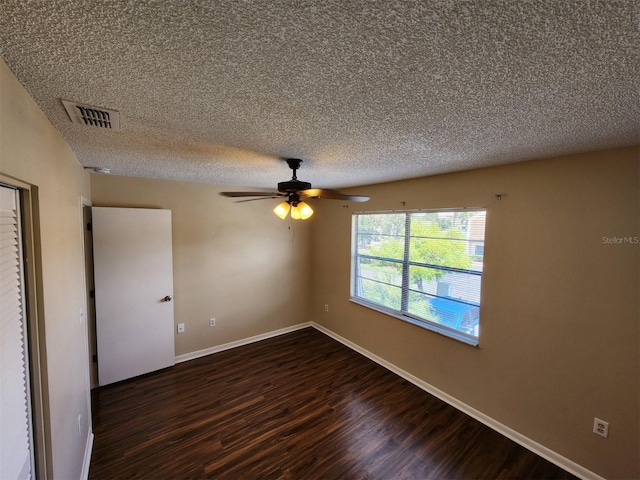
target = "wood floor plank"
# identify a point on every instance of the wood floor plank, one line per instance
(298, 406)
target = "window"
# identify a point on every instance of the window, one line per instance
(424, 267)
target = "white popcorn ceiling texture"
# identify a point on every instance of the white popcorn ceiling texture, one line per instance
(363, 92)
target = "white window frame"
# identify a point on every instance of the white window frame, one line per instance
(402, 314)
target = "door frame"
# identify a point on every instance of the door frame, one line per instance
(34, 310)
(90, 307)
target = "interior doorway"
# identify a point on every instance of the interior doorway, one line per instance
(24, 417)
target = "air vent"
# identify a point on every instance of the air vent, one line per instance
(92, 116)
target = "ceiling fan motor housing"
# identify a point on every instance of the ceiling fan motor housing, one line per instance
(293, 186)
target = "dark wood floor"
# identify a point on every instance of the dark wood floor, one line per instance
(298, 406)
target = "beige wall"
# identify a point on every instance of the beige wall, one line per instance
(236, 262)
(32, 151)
(559, 341)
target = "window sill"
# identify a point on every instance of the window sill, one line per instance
(427, 326)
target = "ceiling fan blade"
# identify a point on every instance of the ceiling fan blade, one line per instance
(250, 194)
(331, 195)
(259, 198)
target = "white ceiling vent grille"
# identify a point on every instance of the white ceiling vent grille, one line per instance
(92, 116)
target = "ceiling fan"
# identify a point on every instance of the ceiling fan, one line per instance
(295, 192)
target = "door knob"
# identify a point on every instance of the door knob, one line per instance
(166, 299)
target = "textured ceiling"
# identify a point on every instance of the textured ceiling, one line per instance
(364, 92)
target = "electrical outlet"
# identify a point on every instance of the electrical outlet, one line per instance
(181, 328)
(212, 322)
(600, 427)
(326, 307)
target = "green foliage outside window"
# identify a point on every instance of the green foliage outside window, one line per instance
(426, 246)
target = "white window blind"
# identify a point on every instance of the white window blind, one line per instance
(16, 451)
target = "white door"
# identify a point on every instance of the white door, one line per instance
(133, 270)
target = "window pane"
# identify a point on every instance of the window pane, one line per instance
(384, 294)
(381, 235)
(381, 271)
(420, 306)
(442, 239)
(449, 313)
(442, 283)
(382, 223)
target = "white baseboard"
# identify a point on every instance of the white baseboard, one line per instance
(87, 456)
(526, 442)
(238, 343)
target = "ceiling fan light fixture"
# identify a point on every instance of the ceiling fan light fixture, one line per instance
(295, 213)
(301, 211)
(305, 210)
(282, 210)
